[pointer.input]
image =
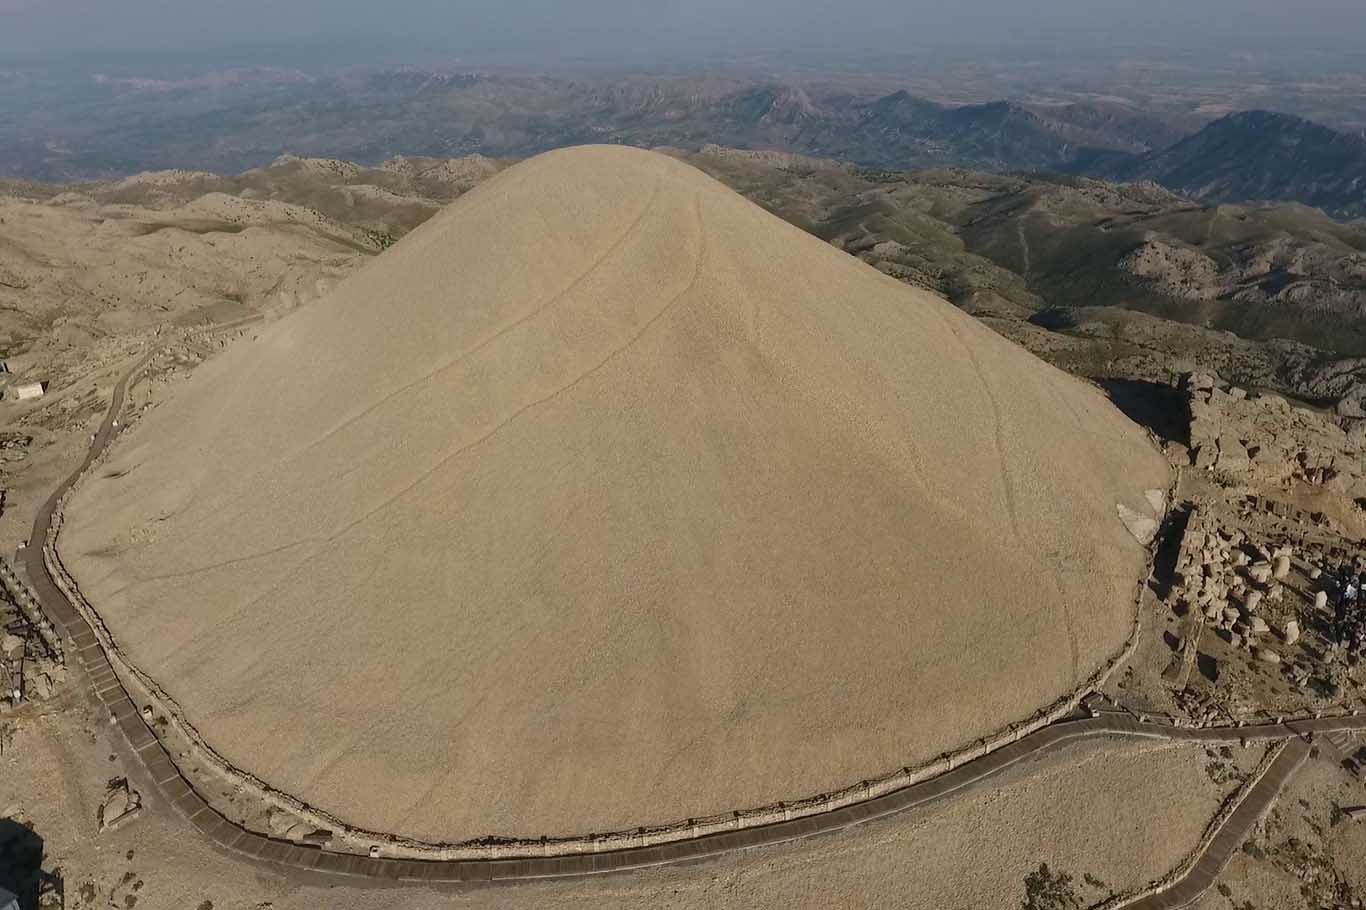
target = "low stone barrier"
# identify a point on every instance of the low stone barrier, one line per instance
(32, 610)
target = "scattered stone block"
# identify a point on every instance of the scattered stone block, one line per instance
(121, 801)
(1232, 455)
(299, 831)
(279, 823)
(1142, 527)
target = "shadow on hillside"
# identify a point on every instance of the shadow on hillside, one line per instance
(1162, 409)
(1055, 319)
(1169, 551)
(21, 866)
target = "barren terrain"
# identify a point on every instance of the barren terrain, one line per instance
(220, 259)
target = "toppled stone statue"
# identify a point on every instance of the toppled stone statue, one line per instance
(121, 802)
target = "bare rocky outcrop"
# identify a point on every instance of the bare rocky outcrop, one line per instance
(1175, 270)
(1268, 438)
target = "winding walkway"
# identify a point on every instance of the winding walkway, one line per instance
(148, 752)
(1201, 876)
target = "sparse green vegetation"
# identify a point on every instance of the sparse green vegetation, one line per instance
(1221, 769)
(381, 240)
(1047, 889)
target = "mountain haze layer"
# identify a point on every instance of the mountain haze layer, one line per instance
(232, 124)
(240, 119)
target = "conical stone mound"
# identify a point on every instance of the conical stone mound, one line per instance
(605, 499)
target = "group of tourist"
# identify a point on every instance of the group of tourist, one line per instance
(1349, 609)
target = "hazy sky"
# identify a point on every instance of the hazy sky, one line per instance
(678, 28)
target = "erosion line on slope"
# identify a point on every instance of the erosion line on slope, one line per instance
(524, 409)
(1008, 487)
(442, 368)
(199, 570)
(485, 342)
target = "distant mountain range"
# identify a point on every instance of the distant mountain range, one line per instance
(1253, 155)
(1243, 157)
(105, 127)
(900, 131)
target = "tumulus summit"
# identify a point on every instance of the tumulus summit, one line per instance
(606, 498)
